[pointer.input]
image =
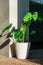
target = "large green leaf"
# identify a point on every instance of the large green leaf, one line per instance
(7, 28)
(33, 32)
(27, 17)
(17, 35)
(40, 19)
(22, 27)
(35, 16)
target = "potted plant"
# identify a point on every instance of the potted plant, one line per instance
(21, 47)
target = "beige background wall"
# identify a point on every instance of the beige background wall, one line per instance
(4, 21)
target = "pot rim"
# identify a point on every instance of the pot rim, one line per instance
(22, 43)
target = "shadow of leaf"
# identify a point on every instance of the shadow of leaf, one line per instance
(4, 44)
(13, 53)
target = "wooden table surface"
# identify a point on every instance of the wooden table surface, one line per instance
(13, 61)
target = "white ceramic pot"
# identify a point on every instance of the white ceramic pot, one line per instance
(22, 50)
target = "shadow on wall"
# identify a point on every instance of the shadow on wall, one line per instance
(12, 47)
(4, 44)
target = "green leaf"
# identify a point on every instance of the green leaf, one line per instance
(13, 34)
(40, 19)
(35, 16)
(17, 35)
(22, 28)
(7, 28)
(33, 32)
(27, 17)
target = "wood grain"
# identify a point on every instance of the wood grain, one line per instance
(13, 61)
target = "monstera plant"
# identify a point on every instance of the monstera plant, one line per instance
(19, 35)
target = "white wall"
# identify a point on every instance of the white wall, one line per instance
(13, 12)
(13, 18)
